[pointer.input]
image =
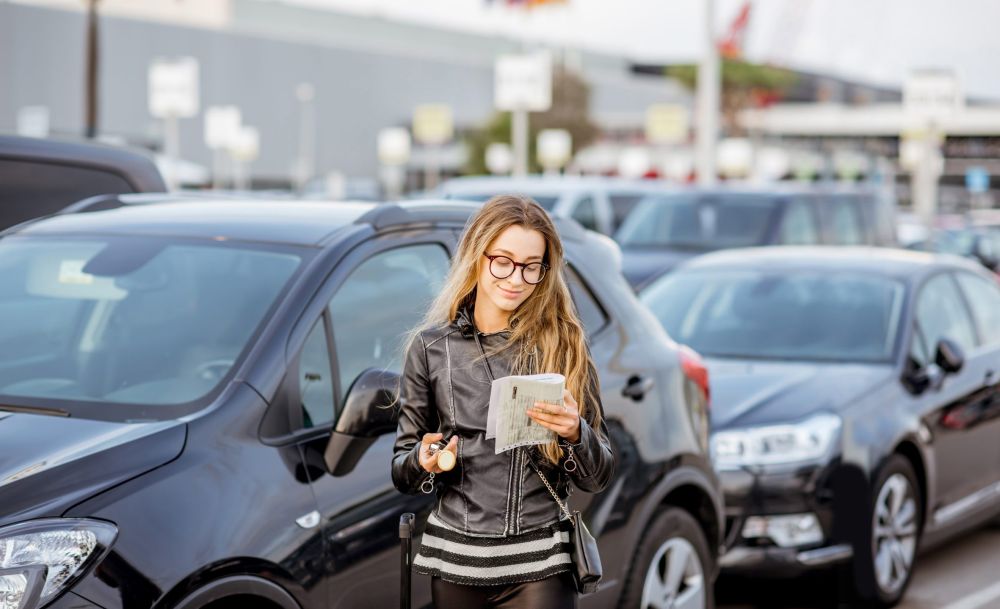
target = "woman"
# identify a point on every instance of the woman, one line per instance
(496, 538)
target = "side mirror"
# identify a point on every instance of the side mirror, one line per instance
(983, 251)
(370, 411)
(949, 356)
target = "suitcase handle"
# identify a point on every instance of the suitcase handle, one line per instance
(405, 540)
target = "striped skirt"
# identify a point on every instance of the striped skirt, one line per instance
(490, 561)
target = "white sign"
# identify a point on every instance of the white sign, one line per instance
(523, 82)
(394, 146)
(246, 145)
(33, 121)
(555, 148)
(499, 158)
(432, 124)
(667, 124)
(222, 126)
(173, 88)
(932, 94)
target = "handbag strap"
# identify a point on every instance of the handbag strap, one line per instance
(552, 491)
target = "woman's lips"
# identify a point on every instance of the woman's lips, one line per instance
(509, 293)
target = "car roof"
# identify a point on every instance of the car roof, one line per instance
(547, 184)
(868, 260)
(307, 223)
(134, 166)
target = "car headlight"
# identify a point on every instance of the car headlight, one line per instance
(802, 442)
(40, 558)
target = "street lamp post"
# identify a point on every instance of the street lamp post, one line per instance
(306, 93)
(707, 101)
(92, 55)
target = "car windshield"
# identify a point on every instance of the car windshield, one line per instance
(126, 320)
(698, 221)
(752, 314)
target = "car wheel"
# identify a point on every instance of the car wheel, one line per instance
(883, 564)
(672, 566)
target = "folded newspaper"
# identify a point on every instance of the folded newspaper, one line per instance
(510, 397)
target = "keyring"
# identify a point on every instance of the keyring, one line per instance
(568, 463)
(427, 486)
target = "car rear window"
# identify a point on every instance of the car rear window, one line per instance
(699, 221)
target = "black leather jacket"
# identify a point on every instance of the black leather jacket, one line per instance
(446, 388)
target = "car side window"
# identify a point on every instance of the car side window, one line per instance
(379, 303)
(316, 378)
(621, 206)
(591, 313)
(846, 223)
(942, 314)
(798, 227)
(983, 297)
(585, 214)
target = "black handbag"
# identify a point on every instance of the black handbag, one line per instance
(586, 556)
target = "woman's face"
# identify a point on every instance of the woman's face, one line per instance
(520, 244)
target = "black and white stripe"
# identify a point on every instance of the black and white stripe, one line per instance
(486, 561)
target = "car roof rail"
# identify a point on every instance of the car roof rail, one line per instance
(386, 215)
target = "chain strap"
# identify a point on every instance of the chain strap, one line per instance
(552, 491)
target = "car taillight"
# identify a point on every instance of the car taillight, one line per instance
(695, 370)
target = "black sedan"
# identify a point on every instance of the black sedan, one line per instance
(855, 402)
(193, 409)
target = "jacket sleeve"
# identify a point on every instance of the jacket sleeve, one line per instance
(417, 416)
(595, 461)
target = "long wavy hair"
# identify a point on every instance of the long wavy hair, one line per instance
(546, 334)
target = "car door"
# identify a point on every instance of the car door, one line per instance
(377, 295)
(959, 437)
(983, 297)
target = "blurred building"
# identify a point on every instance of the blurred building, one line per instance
(366, 74)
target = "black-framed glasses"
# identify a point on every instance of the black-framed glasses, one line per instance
(503, 267)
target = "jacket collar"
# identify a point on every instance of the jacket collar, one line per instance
(465, 318)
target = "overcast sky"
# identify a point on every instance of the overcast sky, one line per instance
(870, 40)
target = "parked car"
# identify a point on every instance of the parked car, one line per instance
(980, 243)
(39, 177)
(597, 203)
(855, 403)
(194, 409)
(668, 228)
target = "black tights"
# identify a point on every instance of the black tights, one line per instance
(554, 592)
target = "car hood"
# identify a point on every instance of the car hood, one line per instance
(49, 463)
(642, 265)
(748, 393)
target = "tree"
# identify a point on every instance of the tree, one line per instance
(744, 85)
(570, 110)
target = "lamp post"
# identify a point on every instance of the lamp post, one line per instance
(93, 55)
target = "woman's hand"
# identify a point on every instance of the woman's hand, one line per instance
(428, 460)
(564, 420)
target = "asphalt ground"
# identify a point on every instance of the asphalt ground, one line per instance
(962, 574)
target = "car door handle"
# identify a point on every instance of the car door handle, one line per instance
(637, 387)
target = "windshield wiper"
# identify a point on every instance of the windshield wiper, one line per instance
(52, 412)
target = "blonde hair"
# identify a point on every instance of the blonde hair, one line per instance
(546, 333)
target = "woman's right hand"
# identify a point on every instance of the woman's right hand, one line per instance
(428, 460)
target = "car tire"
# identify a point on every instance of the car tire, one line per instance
(884, 555)
(672, 567)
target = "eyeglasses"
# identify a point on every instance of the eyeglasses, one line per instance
(503, 267)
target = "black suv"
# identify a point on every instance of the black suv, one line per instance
(39, 177)
(192, 409)
(668, 228)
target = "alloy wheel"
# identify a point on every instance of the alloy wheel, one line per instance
(894, 533)
(675, 578)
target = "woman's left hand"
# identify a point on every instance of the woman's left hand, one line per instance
(564, 420)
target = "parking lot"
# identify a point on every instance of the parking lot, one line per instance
(959, 575)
